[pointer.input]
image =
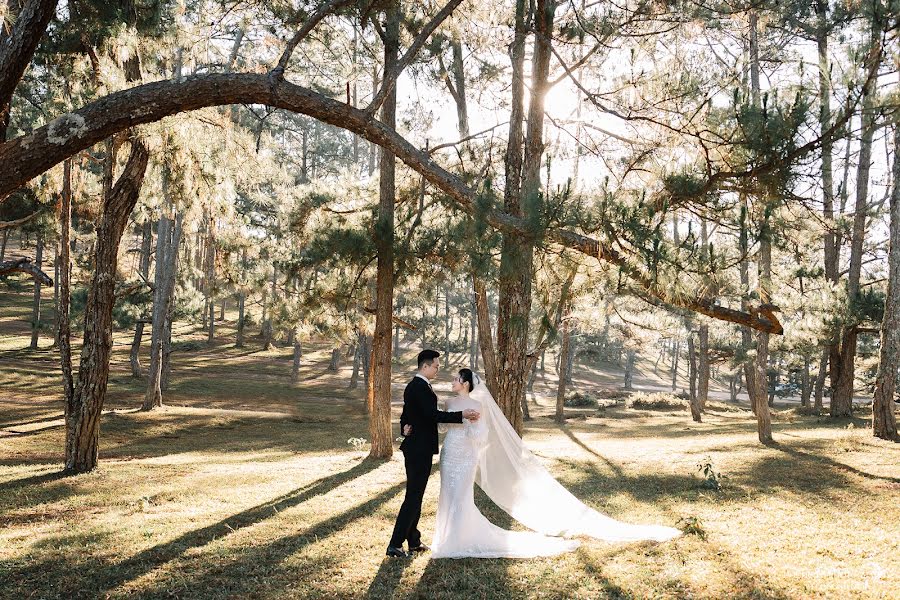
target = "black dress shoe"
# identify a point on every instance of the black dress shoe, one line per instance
(419, 548)
(396, 552)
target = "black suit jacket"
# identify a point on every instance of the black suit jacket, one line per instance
(421, 412)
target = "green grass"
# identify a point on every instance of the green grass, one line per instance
(244, 486)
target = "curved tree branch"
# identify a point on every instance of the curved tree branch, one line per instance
(18, 222)
(24, 265)
(28, 156)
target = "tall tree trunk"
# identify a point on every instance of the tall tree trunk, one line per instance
(164, 230)
(268, 326)
(335, 359)
(56, 292)
(379, 389)
(211, 276)
(805, 387)
(564, 352)
(820, 379)
(473, 335)
(734, 386)
(359, 360)
(167, 338)
(447, 324)
(83, 411)
(242, 297)
(842, 395)
(764, 263)
(692, 376)
(763, 418)
(676, 352)
(703, 333)
(64, 334)
(774, 376)
(239, 341)
(746, 336)
(831, 245)
(374, 150)
(522, 197)
(884, 423)
(168, 239)
(298, 354)
(486, 336)
(703, 368)
(144, 269)
(4, 237)
(631, 356)
(36, 305)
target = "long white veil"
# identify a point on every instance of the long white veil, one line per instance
(516, 481)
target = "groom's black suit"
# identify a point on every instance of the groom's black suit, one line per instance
(419, 411)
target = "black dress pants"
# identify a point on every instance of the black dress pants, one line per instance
(418, 469)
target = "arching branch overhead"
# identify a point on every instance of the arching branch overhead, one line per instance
(28, 156)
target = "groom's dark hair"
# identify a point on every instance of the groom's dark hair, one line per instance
(426, 356)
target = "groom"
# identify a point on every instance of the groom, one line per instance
(421, 415)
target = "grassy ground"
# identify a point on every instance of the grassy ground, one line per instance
(245, 486)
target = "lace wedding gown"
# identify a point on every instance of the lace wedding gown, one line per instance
(489, 452)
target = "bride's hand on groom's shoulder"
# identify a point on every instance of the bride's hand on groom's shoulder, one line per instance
(471, 415)
(407, 430)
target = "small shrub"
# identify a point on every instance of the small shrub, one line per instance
(723, 407)
(187, 346)
(712, 479)
(612, 394)
(692, 526)
(656, 401)
(579, 400)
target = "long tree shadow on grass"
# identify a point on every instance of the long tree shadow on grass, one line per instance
(831, 463)
(45, 579)
(243, 573)
(594, 487)
(130, 436)
(44, 494)
(571, 435)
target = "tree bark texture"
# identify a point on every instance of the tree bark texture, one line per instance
(36, 302)
(884, 422)
(64, 333)
(144, 269)
(565, 350)
(82, 414)
(703, 368)
(842, 392)
(168, 239)
(692, 377)
(379, 389)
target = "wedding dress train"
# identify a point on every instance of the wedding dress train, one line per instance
(488, 452)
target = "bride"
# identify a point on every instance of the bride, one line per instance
(488, 452)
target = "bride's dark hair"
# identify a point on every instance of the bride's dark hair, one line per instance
(467, 377)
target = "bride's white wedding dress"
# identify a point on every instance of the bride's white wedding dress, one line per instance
(489, 452)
